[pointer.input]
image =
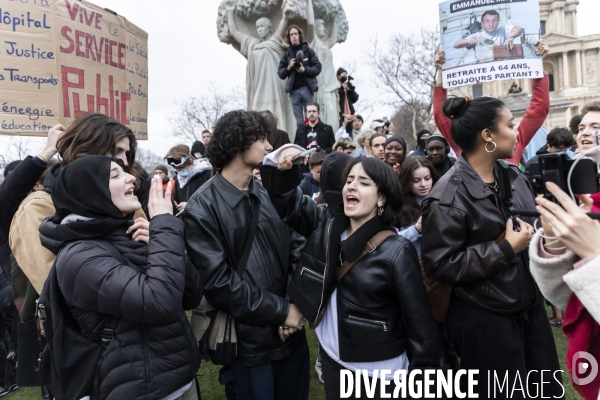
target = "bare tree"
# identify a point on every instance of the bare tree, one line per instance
(147, 158)
(197, 114)
(405, 74)
(15, 148)
(403, 122)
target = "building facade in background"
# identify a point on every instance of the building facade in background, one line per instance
(572, 65)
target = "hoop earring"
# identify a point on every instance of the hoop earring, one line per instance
(491, 151)
(380, 211)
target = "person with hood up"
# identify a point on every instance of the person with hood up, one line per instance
(437, 152)
(152, 352)
(192, 172)
(422, 136)
(310, 185)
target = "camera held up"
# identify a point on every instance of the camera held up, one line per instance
(343, 79)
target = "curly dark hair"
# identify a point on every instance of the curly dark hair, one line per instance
(235, 132)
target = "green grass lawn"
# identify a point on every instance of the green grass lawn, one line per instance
(212, 390)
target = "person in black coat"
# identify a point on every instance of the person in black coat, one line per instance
(496, 318)
(153, 353)
(422, 136)
(301, 75)
(272, 358)
(315, 132)
(22, 178)
(347, 95)
(379, 310)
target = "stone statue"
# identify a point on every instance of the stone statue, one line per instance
(264, 89)
(327, 95)
(248, 26)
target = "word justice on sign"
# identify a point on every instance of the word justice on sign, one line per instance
(114, 106)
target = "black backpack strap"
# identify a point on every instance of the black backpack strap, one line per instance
(110, 323)
(450, 190)
(250, 239)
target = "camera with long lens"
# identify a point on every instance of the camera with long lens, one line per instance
(556, 168)
(344, 79)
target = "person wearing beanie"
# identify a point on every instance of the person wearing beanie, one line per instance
(422, 136)
(198, 150)
(162, 171)
(437, 151)
(394, 152)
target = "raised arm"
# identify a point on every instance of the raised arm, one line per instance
(282, 27)
(538, 109)
(515, 32)
(439, 96)
(22, 179)
(469, 42)
(333, 38)
(237, 35)
(310, 22)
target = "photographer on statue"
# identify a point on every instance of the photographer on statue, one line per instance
(346, 93)
(300, 66)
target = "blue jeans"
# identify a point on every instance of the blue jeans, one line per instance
(300, 98)
(288, 378)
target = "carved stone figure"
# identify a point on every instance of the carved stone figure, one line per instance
(248, 25)
(327, 96)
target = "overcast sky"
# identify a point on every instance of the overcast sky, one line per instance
(185, 53)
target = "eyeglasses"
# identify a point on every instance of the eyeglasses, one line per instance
(176, 162)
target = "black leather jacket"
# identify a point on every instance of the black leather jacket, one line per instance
(461, 232)
(383, 309)
(217, 222)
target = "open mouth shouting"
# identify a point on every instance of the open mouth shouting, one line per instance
(129, 192)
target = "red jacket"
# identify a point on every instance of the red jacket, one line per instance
(583, 333)
(532, 121)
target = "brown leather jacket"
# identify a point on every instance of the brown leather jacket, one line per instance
(463, 223)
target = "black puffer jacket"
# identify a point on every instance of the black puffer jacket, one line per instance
(311, 64)
(153, 351)
(383, 309)
(217, 222)
(462, 244)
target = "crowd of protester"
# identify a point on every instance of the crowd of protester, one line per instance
(400, 258)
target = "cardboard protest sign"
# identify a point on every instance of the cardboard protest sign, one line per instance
(62, 58)
(489, 40)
